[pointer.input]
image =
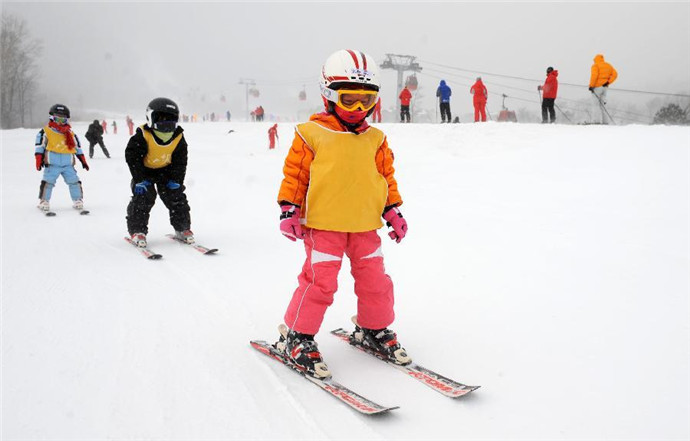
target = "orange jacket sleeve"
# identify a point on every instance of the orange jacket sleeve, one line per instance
(293, 189)
(594, 76)
(384, 164)
(613, 76)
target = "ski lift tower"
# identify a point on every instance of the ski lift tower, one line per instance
(401, 64)
(247, 82)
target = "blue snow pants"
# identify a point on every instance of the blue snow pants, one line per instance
(60, 165)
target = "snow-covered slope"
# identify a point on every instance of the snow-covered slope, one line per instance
(548, 264)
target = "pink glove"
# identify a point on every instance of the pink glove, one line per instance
(289, 222)
(395, 219)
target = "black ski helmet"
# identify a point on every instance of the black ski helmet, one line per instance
(59, 110)
(549, 69)
(162, 114)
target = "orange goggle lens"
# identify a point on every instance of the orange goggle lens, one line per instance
(357, 99)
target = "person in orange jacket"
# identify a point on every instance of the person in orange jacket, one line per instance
(104, 124)
(603, 75)
(338, 183)
(272, 135)
(550, 90)
(376, 116)
(405, 97)
(479, 100)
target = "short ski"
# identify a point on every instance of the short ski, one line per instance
(199, 248)
(347, 396)
(146, 252)
(437, 382)
(52, 213)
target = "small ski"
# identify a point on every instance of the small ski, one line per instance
(347, 396)
(146, 252)
(199, 248)
(437, 382)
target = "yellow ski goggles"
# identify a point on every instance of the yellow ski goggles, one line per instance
(360, 99)
(351, 100)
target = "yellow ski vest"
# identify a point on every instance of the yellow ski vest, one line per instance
(55, 141)
(158, 155)
(346, 191)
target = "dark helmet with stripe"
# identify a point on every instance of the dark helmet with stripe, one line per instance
(162, 114)
(59, 110)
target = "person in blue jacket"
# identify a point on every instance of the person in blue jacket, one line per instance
(443, 93)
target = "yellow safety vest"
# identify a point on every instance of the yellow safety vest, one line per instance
(346, 191)
(56, 141)
(158, 155)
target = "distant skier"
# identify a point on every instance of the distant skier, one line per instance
(376, 116)
(157, 159)
(114, 128)
(405, 97)
(443, 94)
(104, 124)
(603, 75)
(56, 147)
(480, 95)
(549, 90)
(272, 136)
(94, 134)
(335, 190)
(130, 125)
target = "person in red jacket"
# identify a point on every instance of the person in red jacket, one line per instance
(480, 95)
(104, 124)
(550, 90)
(272, 135)
(405, 97)
(130, 126)
(376, 116)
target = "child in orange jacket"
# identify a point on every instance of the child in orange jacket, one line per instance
(339, 181)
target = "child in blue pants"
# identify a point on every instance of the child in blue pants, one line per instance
(56, 147)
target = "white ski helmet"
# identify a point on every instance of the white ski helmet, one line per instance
(348, 66)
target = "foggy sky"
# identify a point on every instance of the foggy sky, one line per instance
(118, 56)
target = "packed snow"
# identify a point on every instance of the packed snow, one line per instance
(546, 263)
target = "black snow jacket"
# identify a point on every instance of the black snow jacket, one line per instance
(136, 151)
(95, 132)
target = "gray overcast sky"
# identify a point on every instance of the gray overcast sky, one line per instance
(117, 56)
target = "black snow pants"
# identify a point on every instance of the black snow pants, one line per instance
(92, 143)
(547, 106)
(404, 113)
(445, 112)
(140, 206)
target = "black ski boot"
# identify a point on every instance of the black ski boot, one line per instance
(382, 341)
(302, 350)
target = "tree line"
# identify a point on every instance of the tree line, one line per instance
(18, 72)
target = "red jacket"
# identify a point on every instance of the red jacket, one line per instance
(479, 91)
(405, 97)
(550, 87)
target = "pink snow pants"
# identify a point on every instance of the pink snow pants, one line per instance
(318, 280)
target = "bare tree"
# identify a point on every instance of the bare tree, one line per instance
(18, 71)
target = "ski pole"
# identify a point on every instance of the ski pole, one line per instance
(563, 113)
(488, 113)
(438, 103)
(603, 106)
